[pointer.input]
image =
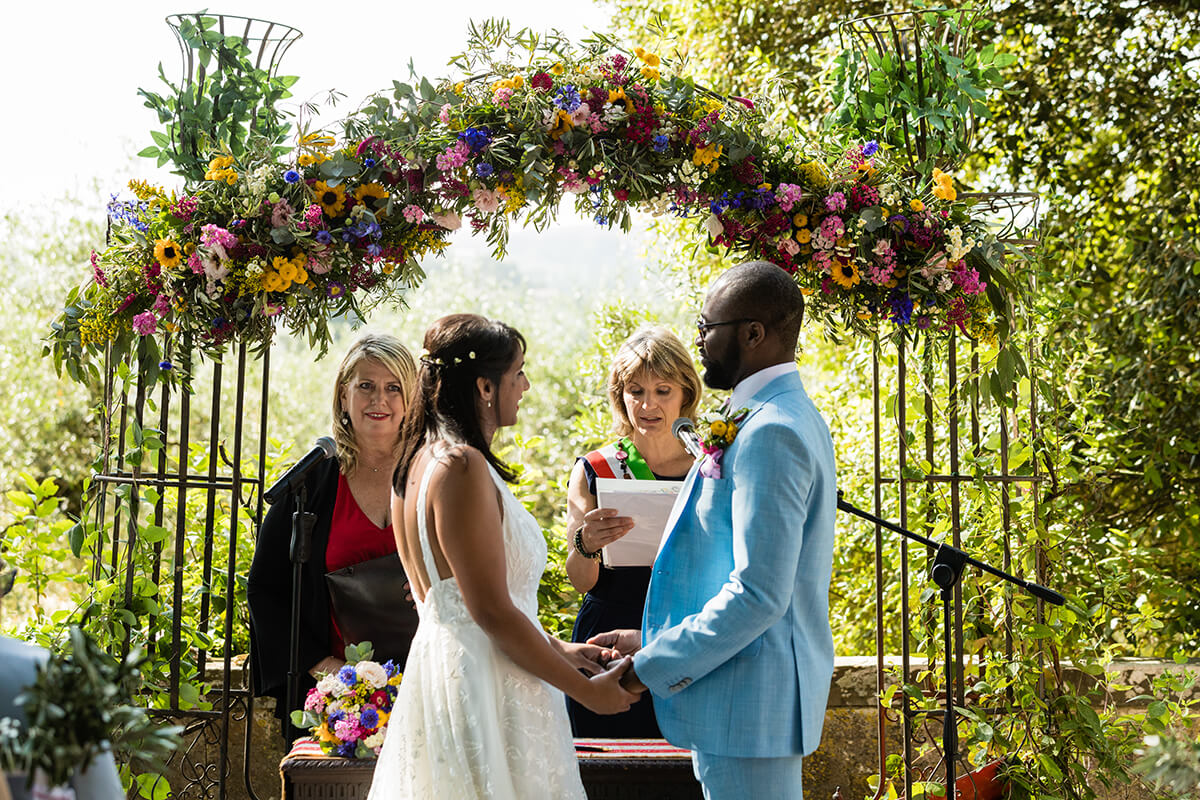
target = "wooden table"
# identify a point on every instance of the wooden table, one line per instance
(629, 769)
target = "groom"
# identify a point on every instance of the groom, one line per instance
(738, 650)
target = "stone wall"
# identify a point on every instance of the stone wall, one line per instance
(848, 754)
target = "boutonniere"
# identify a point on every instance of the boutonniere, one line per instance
(717, 431)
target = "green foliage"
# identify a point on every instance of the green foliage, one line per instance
(228, 101)
(81, 701)
(922, 98)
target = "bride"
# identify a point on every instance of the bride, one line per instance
(477, 715)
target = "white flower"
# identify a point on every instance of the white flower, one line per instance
(332, 686)
(372, 673)
(374, 740)
(945, 284)
(713, 226)
(486, 200)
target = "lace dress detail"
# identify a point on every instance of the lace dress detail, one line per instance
(468, 722)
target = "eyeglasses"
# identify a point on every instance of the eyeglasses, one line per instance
(704, 327)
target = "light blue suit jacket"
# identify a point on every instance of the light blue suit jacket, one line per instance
(738, 652)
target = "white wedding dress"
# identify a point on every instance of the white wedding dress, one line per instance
(468, 722)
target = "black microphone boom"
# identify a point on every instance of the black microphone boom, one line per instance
(684, 430)
(323, 449)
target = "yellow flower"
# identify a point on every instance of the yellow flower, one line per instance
(731, 432)
(518, 81)
(800, 220)
(804, 236)
(308, 159)
(650, 59)
(317, 139)
(639, 52)
(388, 268)
(557, 69)
(395, 679)
(815, 172)
(707, 156)
(562, 124)
(368, 195)
(618, 98)
(167, 253)
(718, 427)
(651, 74)
(331, 198)
(845, 273)
(916, 205)
(943, 186)
(324, 734)
(286, 269)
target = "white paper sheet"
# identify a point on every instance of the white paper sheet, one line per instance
(649, 503)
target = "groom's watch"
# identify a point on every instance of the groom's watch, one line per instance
(580, 548)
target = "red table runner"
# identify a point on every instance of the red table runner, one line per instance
(584, 748)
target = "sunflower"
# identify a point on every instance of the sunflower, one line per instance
(369, 194)
(331, 198)
(618, 98)
(562, 124)
(167, 253)
(845, 273)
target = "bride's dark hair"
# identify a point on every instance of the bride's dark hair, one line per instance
(458, 349)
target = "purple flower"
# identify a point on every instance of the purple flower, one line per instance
(567, 99)
(291, 176)
(870, 148)
(660, 143)
(902, 306)
(476, 138)
(334, 289)
(145, 323)
(324, 237)
(484, 170)
(710, 467)
(369, 718)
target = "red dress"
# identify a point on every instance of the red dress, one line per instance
(353, 539)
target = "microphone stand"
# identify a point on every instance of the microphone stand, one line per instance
(948, 565)
(299, 551)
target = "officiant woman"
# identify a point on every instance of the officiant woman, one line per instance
(351, 498)
(652, 382)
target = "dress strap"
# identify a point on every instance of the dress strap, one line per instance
(431, 570)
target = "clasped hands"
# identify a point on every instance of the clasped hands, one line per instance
(605, 658)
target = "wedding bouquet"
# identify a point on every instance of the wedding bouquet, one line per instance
(347, 711)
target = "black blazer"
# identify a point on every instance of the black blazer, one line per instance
(269, 595)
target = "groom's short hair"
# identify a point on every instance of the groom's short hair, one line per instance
(765, 292)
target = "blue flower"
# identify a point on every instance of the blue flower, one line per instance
(476, 138)
(336, 716)
(374, 249)
(346, 749)
(660, 143)
(484, 169)
(567, 99)
(291, 176)
(369, 718)
(347, 675)
(324, 237)
(601, 219)
(902, 306)
(166, 366)
(368, 162)
(870, 148)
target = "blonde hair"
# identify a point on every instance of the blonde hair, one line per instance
(660, 353)
(386, 350)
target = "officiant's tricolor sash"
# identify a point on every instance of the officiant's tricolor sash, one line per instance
(619, 460)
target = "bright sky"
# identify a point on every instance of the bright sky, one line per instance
(72, 71)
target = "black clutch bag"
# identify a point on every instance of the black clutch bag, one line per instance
(368, 603)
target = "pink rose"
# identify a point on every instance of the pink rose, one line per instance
(449, 220)
(486, 200)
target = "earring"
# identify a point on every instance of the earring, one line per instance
(489, 403)
(345, 419)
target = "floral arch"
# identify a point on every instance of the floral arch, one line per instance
(269, 235)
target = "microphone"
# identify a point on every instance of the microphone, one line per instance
(324, 448)
(684, 430)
